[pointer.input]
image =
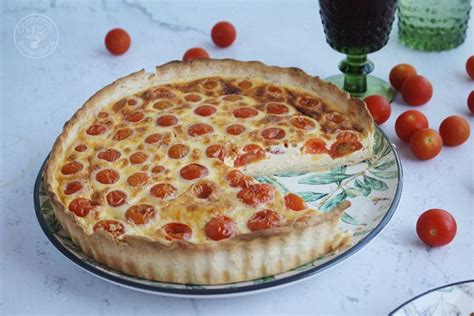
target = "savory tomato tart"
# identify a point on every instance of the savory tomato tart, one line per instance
(153, 175)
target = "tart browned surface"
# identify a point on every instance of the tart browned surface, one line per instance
(153, 175)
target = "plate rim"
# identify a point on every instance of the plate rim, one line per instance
(428, 292)
(242, 290)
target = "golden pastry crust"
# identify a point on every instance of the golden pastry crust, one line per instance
(243, 257)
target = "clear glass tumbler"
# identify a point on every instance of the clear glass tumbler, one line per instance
(433, 25)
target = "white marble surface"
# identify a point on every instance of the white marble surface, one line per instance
(38, 96)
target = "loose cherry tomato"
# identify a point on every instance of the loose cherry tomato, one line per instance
(436, 227)
(470, 66)
(379, 108)
(117, 41)
(417, 90)
(426, 144)
(195, 53)
(223, 34)
(408, 123)
(470, 101)
(400, 73)
(454, 130)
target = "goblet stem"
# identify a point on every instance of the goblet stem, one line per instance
(355, 69)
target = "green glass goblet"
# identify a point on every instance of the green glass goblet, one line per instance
(357, 28)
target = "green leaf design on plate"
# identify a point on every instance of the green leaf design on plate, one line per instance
(311, 196)
(304, 267)
(333, 202)
(375, 184)
(341, 169)
(362, 187)
(325, 178)
(289, 174)
(361, 232)
(48, 214)
(346, 218)
(270, 180)
(41, 188)
(264, 279)
(385, 174)
(385, 165)
(351, 192)
(379, 142)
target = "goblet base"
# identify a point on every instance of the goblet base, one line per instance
(374, 86)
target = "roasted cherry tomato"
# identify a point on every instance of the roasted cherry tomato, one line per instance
(436, 227)
(417, 90)
(408, 123)
(195, 53)
(223, 34)
(379, 108)
(426, 144)
(454, 130)
(470, 67)
(400, 73)
(117, 41)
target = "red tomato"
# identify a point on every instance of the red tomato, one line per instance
(223, 34)
(426, 144)
(408, 123)
(454, 130)
(379, 108)
(470, 66)
(195, 53)
(417, 90)
(400, 73)
(436, 227)
(117, 41)
(470, 101)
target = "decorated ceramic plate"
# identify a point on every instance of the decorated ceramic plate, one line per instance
(452, 299)
(373, 187)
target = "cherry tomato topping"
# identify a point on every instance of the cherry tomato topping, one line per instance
(235, 129)
(273, 133)
(245, 112)
(116, 198)
(81, 206)
(72, 187)
(178, 231)
(202, 190)
(109, 155)
(138, 157)
(294, 202)
(96, 129)
(137, 179)
(276, 108)
(216, 151)
(110, 226)
(315, 146)
(71, 167)
(166, 120)
(264, 220)
(302, 122)
(199, 129)
(205, 110)
(470, 67)
(178, 151)
(123, 133)
(258, 193)
(193, 171)
(140, 214)
(221, 227)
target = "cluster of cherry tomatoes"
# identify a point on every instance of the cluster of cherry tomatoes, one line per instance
(223, 34)
(412, 126)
